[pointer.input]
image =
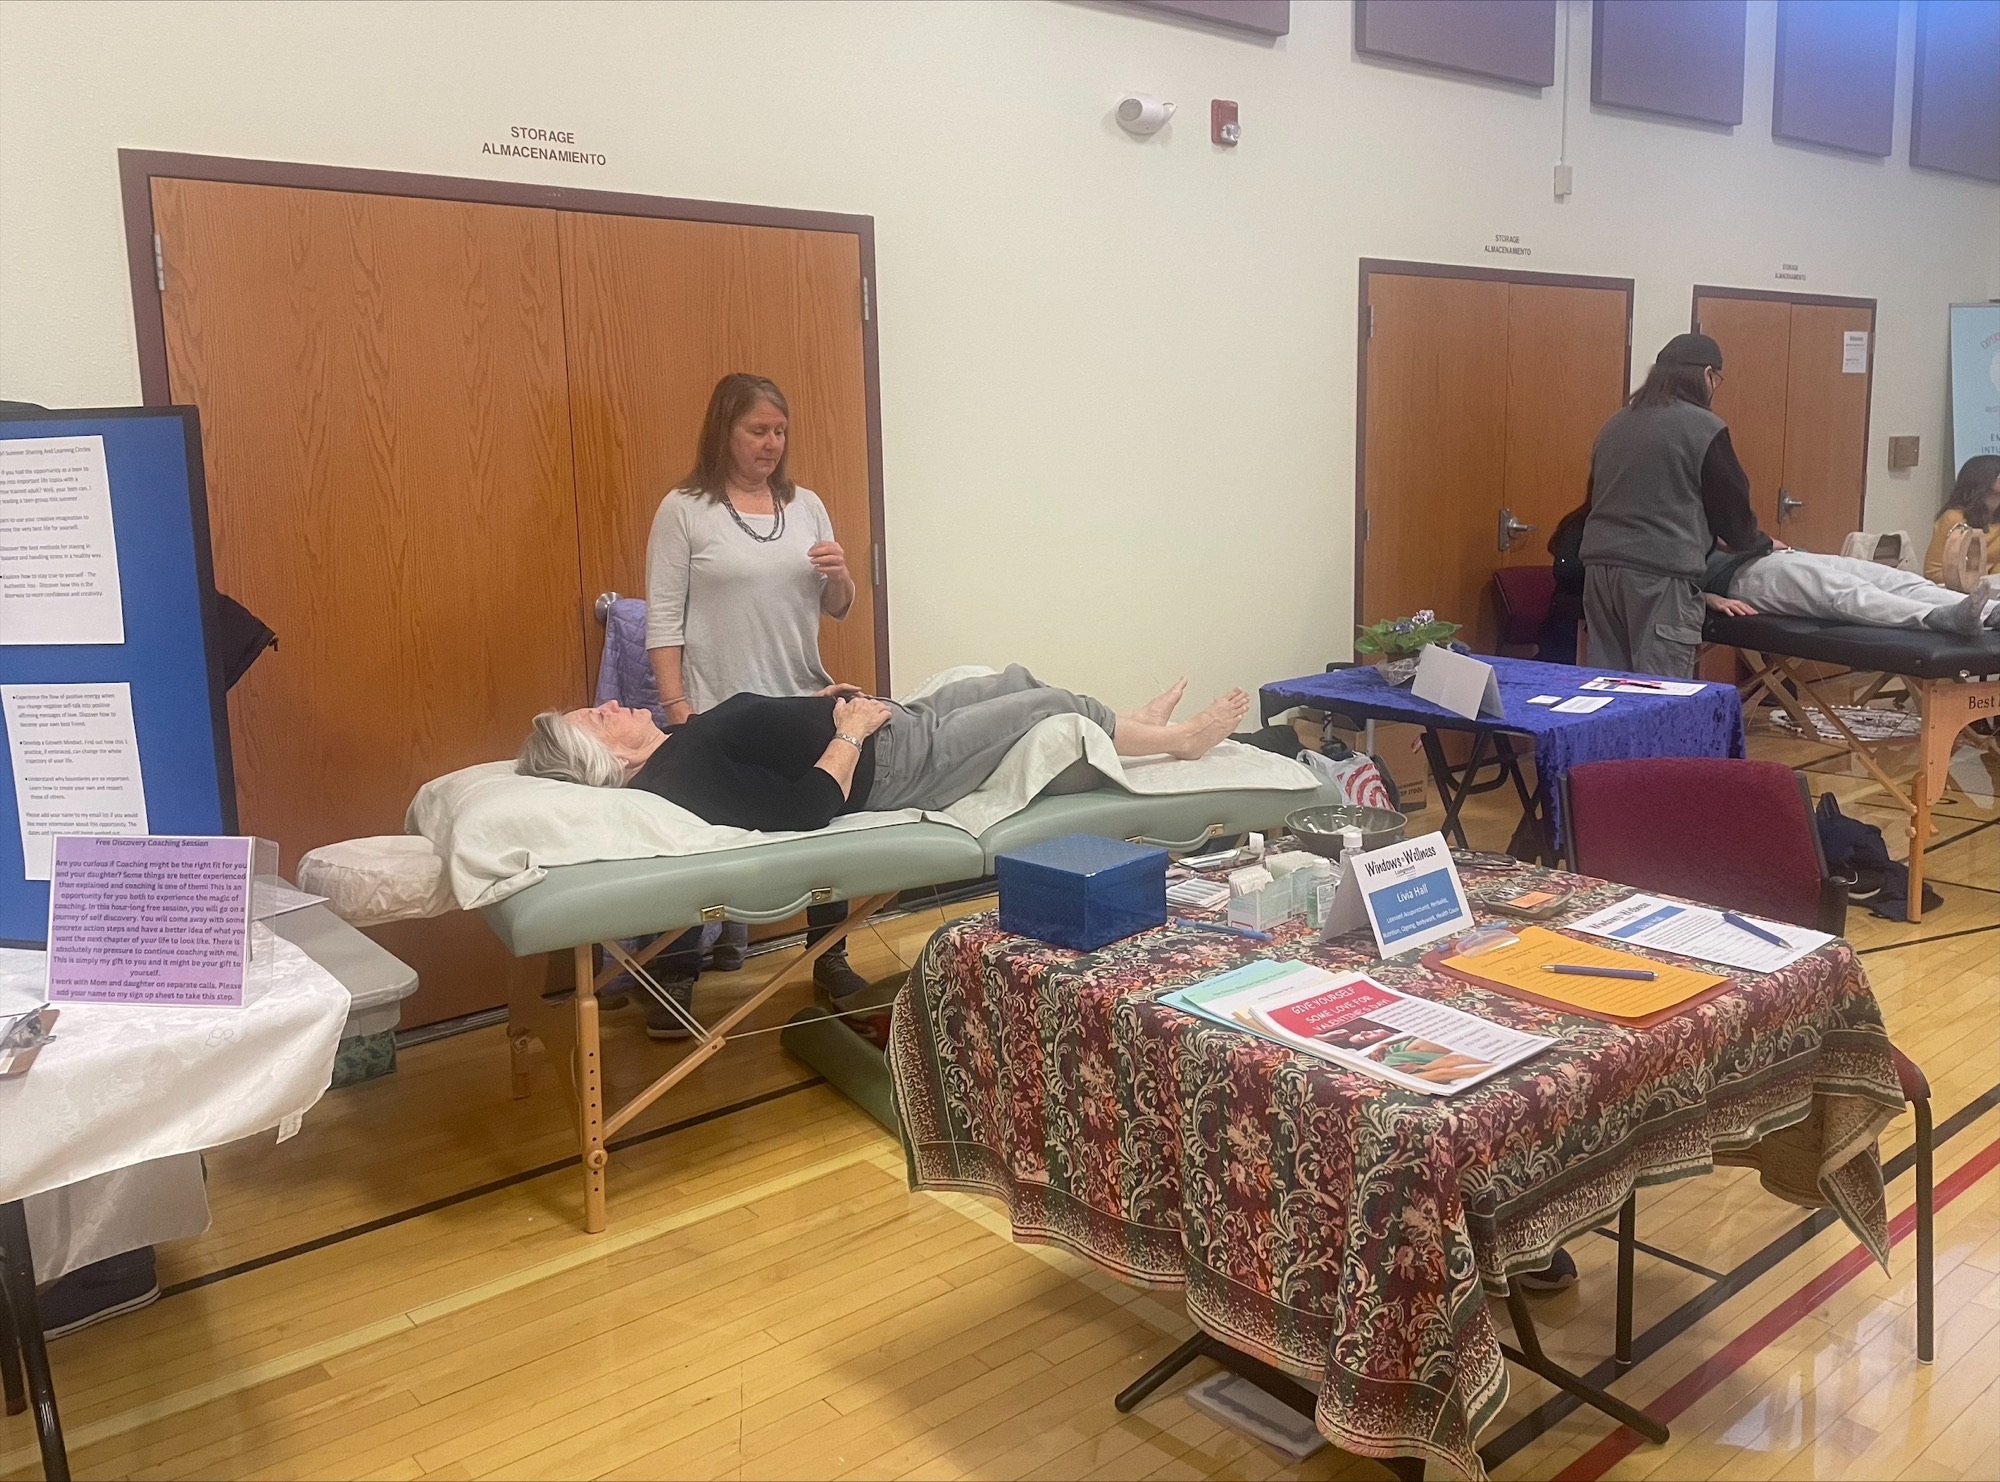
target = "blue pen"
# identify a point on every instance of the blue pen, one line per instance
(1226, 930)
(1741, 924)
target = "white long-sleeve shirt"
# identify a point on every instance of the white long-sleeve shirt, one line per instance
(744, 613)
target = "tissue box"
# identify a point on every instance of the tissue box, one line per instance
(1082, 891)
(1272, 906)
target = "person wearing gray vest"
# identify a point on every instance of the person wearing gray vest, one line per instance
(1665, 489)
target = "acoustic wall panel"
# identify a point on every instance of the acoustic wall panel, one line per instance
(1261, 17)
(1835, 82)
(1682, 58)
(1514, 42)
(1955, 114)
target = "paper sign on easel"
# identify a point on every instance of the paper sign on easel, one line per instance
(1409, 894)
(1459, 683)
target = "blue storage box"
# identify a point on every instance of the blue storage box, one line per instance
(1082, 891)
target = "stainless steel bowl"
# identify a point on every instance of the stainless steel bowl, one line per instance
(1318, 829)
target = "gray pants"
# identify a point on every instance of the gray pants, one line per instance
(934, 751)
(1642, 622)
(1840, 589)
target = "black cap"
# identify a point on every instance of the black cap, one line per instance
(1691, 349)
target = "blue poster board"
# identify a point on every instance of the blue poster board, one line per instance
(1975, 382)
(159, 512)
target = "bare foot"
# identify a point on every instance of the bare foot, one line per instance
(1160, 709)
(1199, 736)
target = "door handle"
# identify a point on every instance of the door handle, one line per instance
(1511, 529)
(1786, 505)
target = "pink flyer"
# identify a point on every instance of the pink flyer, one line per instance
(149, 920)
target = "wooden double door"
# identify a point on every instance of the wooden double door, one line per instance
(1795, 390)
(435, 430)
(1482, 393)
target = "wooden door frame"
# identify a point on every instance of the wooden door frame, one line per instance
(1812, 300)
(1364, 332)
(137, 169)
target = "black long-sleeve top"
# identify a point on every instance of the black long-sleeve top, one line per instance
(752, 762)
(1725, 498)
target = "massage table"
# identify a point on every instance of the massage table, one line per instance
(1955, 680)
(574, 908)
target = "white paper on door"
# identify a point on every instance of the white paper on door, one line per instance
(76, 764)
(58, 560)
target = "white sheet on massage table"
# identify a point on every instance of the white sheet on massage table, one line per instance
(500, 832)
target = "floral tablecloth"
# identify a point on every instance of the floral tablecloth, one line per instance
(1326, 1222)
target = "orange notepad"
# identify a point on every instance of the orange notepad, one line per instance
(1517, 969)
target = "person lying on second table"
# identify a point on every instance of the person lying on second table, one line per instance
(760, 762)
(1840, 589)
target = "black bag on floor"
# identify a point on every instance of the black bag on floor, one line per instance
(1856, 853)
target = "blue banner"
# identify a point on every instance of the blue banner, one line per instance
(1975, 381)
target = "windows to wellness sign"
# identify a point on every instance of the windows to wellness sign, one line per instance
(1975, 381)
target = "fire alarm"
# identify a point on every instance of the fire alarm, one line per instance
(1223, 128)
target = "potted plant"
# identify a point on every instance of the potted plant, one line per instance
(1399, 642)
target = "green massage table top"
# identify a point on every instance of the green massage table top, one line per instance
(614, 899)
(1182, 822)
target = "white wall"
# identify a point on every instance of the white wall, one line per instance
(1118, 377)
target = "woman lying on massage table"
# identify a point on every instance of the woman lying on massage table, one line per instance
(1840, 589)
(780, 764)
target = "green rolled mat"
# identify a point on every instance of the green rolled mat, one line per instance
(851, 1065)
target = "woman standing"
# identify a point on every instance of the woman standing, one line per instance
(741, 565)
(1665, 486)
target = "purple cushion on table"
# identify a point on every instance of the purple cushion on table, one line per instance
(625, 673)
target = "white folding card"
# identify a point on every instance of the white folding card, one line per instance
(1458, 682)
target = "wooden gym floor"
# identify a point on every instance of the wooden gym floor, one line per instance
(403, 1290)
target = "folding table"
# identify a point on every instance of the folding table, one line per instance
(1709, 723)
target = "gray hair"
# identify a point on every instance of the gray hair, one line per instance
(559, 748)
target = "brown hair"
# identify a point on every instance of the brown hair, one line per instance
(1975, 482)
(735, 397)
(1666, 384)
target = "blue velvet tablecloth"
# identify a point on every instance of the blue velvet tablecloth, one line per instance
(1706, 724)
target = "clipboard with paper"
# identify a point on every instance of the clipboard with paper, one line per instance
(1520, 971)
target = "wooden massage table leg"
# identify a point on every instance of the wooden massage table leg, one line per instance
(571, 1033)
(591, 1129)
(1947, 707)
(717, 1035)
(1769, 678)
(1855, 745)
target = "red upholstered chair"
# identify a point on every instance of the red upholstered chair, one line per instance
(1521, 597)
(1727, 833)
(1739, 835)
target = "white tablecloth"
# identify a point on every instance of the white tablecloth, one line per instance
(122, 1085)
(146, 1204)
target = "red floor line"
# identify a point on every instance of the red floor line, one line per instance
(1773, 1325)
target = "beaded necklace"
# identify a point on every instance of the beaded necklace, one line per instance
(777, 520)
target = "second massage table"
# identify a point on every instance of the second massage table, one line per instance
(574, 908)
(1954, 680)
